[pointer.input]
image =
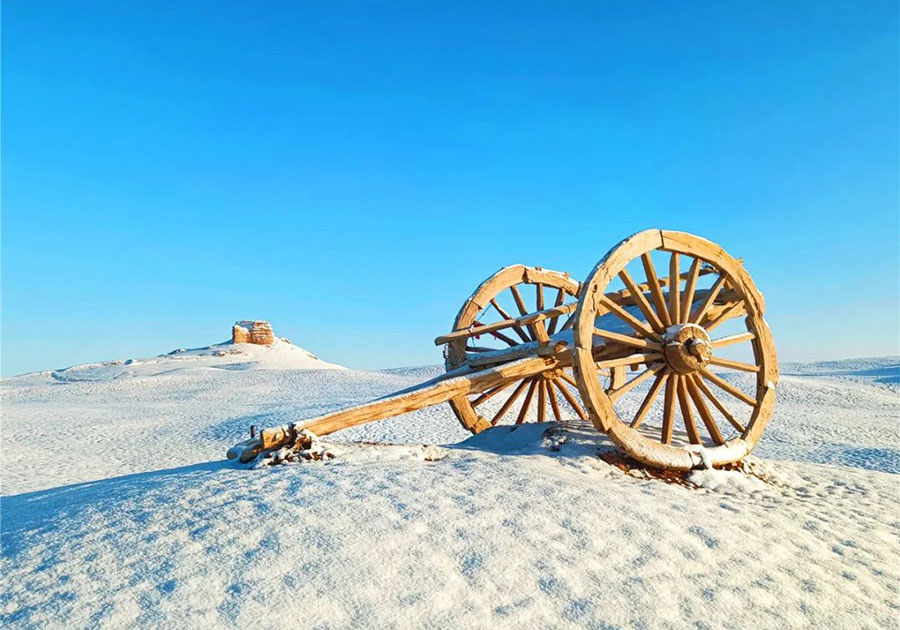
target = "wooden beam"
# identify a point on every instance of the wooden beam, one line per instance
(571, 400)
(640, 327)
(725, 411)
(622, 297)
(560, 296)
(523, 412)
(733, 310)
(506, 316)
(655, 289)
(728, 387)
(637, 295)
(530, 318)
(686, 413)
(694, 385)
(509, 402)
(435, 391)
(687, 300)
(542, 398)
(611, 301)
(669, 409)
(643, 376)
(554, 404)
(710, 298)
(734, 365)
(727, 341)
(674, 290)
(661, 379)
(630, 360)
(627, 340)
(490, 393)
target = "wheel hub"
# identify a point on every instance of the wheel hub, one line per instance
(687, 348)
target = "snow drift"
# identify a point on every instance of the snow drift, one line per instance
(118, 511)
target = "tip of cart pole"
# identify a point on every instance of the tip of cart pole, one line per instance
(246, 450)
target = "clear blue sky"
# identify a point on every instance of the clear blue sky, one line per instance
(351, 170)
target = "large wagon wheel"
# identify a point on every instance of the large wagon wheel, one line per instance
(511, 292)
(666, 332)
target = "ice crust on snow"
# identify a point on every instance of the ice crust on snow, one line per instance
(118, 511)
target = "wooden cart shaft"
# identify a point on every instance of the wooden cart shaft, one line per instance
(508, 366)
(459, 382)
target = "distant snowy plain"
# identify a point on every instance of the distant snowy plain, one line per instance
(118, 509)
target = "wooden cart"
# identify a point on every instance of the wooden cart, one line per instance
(568, 355)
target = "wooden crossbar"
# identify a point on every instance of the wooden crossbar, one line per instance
(619, 298)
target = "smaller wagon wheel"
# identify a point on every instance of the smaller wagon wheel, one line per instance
(674, 335)
(511, 292)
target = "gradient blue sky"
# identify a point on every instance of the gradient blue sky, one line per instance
(350, 171)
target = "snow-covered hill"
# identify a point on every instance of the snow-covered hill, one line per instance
(118, 510)
(280, 355)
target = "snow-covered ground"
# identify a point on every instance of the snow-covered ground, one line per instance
(118, 510)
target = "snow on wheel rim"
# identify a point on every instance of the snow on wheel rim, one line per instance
(669, 336)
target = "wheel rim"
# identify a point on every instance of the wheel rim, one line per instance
(510, 292)
(670, 335)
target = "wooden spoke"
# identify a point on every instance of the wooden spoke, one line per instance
(693, 385)
(686, 413)
(621, 296)
(554, 404)
(727, 341)
(728, 313)
(703, 387)
(568, 379)
(523, 412)
(570, 321)
(539, 296)
(643, 376)
(710, 298)
(636, 342)
(542, 399)
(560, 296)
(669, 410)
(641, 301)
(728, 387)
(505, 315)
(735, 365)
(617, 377)
(571, 400)
(520, 304)
(640, 327)
(674, 290)
(540, 331)
(661, 379)
(655, 290)
(490, 393)
(632, 359)
(509, 402)
(687, 300)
